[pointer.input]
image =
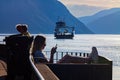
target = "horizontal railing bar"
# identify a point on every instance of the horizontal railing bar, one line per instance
(60, 54)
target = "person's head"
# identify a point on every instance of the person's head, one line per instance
(94, 50)
(39, 43)
(94, 55)
(22, 28)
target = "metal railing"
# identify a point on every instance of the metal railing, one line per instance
(59, 54)
(36, 75)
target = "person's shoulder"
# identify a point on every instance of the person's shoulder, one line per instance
(39, 54)
(15, 35)
(11, 36)
(102, 59)
(38, 51)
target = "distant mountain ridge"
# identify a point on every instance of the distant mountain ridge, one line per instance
(40, 15)
(83, 10)
(104, 22)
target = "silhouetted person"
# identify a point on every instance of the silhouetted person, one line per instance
(23, 29)
(38, 47)
(92, 58)
(18, 46)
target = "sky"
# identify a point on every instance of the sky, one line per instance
(100, 3)
(90, 6)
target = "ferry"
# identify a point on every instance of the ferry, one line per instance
(62, 31)
(16, 63)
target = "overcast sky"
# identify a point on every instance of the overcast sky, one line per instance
(99, 3)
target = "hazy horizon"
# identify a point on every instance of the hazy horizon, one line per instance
(90, 6)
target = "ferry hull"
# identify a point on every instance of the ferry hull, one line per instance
(64, 36)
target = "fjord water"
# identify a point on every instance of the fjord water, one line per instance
(107, 45)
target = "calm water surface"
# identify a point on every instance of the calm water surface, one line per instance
(107, 45)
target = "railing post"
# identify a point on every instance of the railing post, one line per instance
(83, 54)
(76, 53)
(56, 56)
(87, 54)
(79, 54)
(66, 52)
(61, 54)
(71, 53)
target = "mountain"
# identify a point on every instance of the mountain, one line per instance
(40, 15)
(104, 22)
(84, 10)
(88, 19)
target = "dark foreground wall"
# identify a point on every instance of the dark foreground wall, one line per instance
(82, 71)
(3, 52)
